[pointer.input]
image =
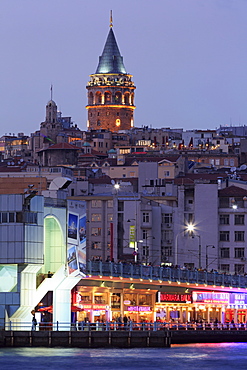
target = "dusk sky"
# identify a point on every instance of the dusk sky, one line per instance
(188, 59)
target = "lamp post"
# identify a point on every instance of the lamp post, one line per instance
(200, 251)
(147, 249)
(113, 225)
(190, 229)
(136, 250)
(176, 248)
(212, 246)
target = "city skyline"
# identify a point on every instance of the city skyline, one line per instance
(187, 59)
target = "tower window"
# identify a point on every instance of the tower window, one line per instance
(107, 97)
(90, 98)
(98, 113)
(118, 97)
(118, 122)
(98, 98)
(126, 98)
(117, 113)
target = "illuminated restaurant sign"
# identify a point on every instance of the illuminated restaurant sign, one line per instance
(238, 298)
(210, 297)
(94, 307)
(139, 308)
(165, 297)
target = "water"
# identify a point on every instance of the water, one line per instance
(221, 356)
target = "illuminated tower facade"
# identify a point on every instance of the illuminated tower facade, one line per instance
(110, 91)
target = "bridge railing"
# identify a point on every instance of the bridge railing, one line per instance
(182, 275)
(130, 326)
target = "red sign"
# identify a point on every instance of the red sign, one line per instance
(94, 306)
(165, 297)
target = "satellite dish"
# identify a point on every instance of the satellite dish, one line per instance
(233, 169)
(8, 163)
(113, 182)
(243, 167)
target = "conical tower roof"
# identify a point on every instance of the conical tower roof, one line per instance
(111, 60)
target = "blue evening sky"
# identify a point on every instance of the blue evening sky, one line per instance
(188, 59)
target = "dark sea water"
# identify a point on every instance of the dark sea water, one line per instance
(222, 356)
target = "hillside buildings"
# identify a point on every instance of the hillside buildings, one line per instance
(134, 195)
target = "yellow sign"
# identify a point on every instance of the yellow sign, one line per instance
(132, 236)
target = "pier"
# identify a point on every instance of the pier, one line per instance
(85, 339)
(138, 335)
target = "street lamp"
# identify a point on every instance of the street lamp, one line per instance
(113, 225)
(200, 250)
(212, 246)
(146, 246)
(190, 229)
(136, 250)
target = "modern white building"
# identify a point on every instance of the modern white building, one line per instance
(35, 244)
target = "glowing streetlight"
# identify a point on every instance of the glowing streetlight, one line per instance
(190, 229)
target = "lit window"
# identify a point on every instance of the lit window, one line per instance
(96, 231)
(96, 217)
(96, 245)
(96, 203)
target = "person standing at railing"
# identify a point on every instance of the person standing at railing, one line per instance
(119, 323)
(125, 320)
(34, 321)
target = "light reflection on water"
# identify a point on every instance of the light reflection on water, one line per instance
(220, 356)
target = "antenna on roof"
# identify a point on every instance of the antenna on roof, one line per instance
(51, 91)
(111, 24)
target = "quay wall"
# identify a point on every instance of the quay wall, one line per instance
(204, 336)
(85, 339)
(121, 339)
